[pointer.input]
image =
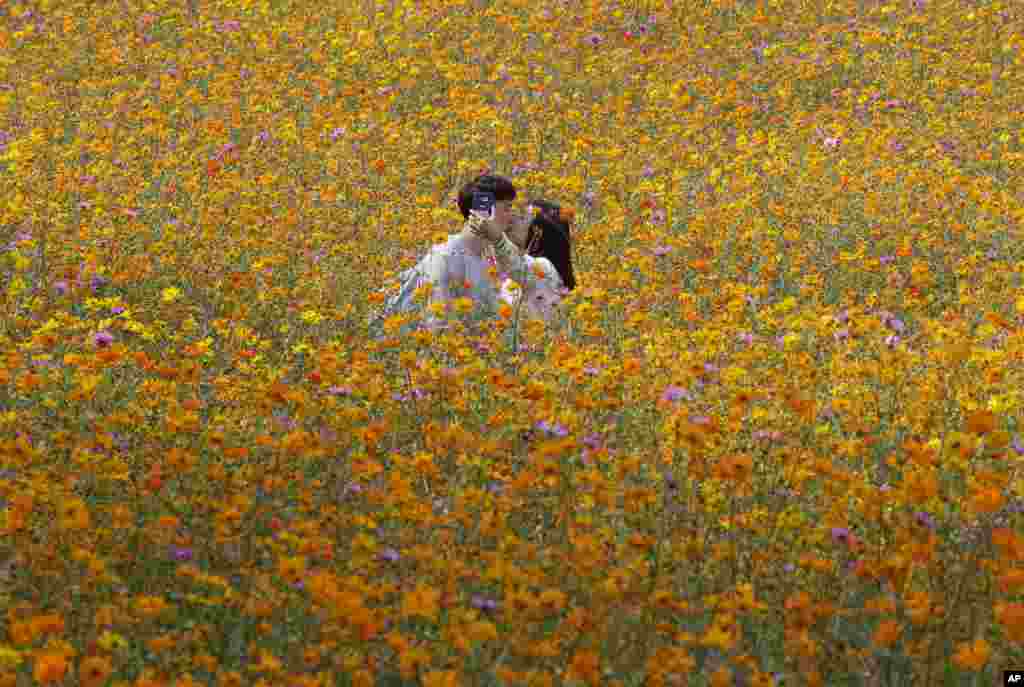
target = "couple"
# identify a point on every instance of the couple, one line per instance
(517, 259)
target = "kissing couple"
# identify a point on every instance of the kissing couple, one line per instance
(504, 256)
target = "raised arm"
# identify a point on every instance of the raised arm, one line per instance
(511, 261)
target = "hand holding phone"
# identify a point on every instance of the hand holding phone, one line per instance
(483, 202)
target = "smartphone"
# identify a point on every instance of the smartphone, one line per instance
(483, 201)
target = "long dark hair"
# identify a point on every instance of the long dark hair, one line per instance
(550, 236)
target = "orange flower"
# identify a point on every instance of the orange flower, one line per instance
(586, 666)
(887, 633)
(721, 677)
(93, 671)
(441, 678)
(48, 624)
(291, 569)
(981, 422)
(412, 661)
(423, 601)
(1011, 580)
(919, 607)
(972, 655)
(50, 668)
(1011, 617)
(986, 501)
(362, 678)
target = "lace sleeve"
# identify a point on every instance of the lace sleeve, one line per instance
(509, 259)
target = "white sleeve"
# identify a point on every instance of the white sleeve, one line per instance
(435, 270)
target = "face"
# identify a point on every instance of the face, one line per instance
(518, 230)
(503, 214)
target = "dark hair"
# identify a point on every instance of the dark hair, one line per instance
(555, 242)
(502, 188)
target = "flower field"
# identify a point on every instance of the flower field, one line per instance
(780, 444)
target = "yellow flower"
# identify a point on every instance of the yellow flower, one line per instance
(268, 663)
(170, 294)
(10, 658)
(111, 641)
(717, 638)
(463, 305)
(312, 317)
(150, 606)
(74, 515)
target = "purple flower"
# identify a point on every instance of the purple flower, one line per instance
(594, 40)
(1018, 446)
(896, 324)
(553, 429)
(390, 555)
(592, 440)
(337, 132)
(483, 603)
(97, 282)
(674, 393)
(840, 535)
(892, 340)
(591, 370)
(181, 555)
(60, 287)
(662, 250)
(659, 216)
(842, 334)
(340, 390)
(103, 338)
(923, 519)
(745, 338)
(886, 259)
(647, 172)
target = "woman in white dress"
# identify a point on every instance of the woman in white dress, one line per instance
(538, 263)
